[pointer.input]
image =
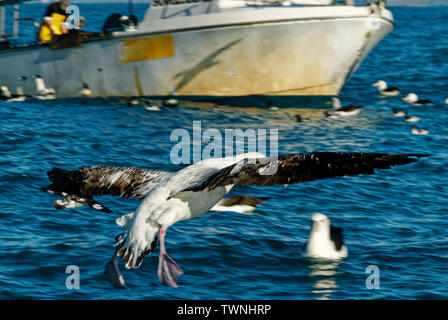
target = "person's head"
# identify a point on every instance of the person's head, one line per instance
(64, 27)
(82, 21)
(63, 4)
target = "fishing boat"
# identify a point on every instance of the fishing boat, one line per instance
(290, 53)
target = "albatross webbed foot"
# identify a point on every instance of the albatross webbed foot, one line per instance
(168, 270)
(112, 272)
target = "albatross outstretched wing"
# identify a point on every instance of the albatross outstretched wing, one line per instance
(79, 186)
(297, 168)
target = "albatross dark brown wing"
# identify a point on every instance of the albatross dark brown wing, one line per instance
(87, 182)
(295, 168)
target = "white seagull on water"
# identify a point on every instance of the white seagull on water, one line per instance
(192, 191)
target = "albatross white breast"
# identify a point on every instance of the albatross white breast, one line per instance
(172, 197)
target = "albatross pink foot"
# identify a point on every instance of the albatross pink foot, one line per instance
(112, 272)
(168, 270)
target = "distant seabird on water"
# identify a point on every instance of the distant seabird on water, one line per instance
(6, 95)
(272, 107)
(171, 102)
(399, 113)
(325, 241)
(194, 190)
(419, 132)
(409, 118)
(42, 92)
(150, 106)
(386, 91)
(133, 102)
(412, 98)
(85, 91)
(344, 111)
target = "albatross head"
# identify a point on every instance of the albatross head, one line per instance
(336, 103)
(320, 222)
(381, 84)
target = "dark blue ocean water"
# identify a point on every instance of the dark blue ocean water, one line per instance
(396, 220)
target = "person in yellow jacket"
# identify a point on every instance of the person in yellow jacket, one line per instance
(53, 21)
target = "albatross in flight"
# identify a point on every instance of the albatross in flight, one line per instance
(192, 191)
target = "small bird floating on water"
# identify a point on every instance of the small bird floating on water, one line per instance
(42, 92)
(409, 118)
(399, 113)
(85, 91)
(133, 102)
(338, 110)
(5, 94)
(419, 132)
(386, 91)
(412, 98)
(273, 107)
(325, 241)
(150, 106)
(171, 102)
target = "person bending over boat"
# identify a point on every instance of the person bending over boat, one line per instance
(53, 22)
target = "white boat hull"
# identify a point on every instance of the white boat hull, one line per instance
(294, 56)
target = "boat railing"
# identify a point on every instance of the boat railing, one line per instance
(11, 39)
(228, 3)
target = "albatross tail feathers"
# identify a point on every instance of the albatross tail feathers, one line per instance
(134, 243)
